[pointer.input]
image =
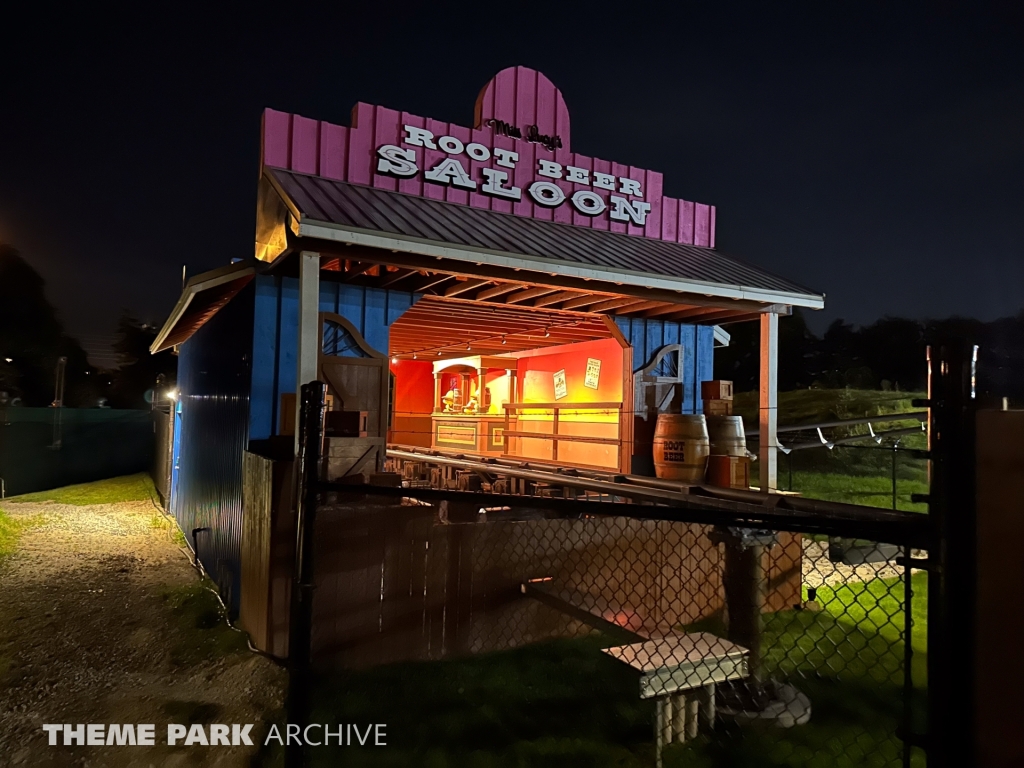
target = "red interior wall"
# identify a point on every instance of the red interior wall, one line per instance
(536, 378)
(573, 358)
(414, 401)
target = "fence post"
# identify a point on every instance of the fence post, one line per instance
(307, 474)
(952, 557)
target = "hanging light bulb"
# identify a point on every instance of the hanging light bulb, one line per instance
(468, 347)
(504, 340)
(414, 355)
(547, 333)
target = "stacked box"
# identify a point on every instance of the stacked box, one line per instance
(717, 397)
(729, 471)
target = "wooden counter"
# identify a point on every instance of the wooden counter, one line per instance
(482, 433)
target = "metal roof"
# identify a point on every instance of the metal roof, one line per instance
(539, 244)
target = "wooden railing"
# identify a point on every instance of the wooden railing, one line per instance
(554, 436)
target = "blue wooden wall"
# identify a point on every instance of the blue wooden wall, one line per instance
(276, 333)
(648, 335)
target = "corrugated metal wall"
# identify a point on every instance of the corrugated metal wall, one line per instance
(214, 374)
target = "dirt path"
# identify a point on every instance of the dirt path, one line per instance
(103, 620)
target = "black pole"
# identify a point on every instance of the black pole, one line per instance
(895, 449)
(952, 559)
(307, 474)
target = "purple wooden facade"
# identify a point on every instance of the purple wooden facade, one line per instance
(517, 96)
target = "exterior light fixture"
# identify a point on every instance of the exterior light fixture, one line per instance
(468, 348)
(172, 394)
(547, 332)
(414, 355)
(504, 340)
(394, 360)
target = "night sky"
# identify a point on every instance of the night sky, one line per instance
(876, 155)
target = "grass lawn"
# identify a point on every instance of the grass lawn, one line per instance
(857, 474)
(564, 703)
(138, 487)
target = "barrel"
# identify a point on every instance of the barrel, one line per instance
(727, 436)
(681, 447)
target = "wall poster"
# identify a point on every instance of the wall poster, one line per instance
(560, 388)
(593, 373)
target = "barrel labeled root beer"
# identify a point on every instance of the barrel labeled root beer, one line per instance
(681, 447)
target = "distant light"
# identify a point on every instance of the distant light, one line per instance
(8, 360)
(172, 394)
(394, 359)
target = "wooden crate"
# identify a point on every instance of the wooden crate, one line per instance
(716, 390)
(718, 407)
(729, 471)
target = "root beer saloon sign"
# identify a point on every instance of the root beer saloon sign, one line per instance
(516, 159)
(494, 179)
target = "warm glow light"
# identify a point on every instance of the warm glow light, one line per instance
(172, 394)
(394, 359)
(8, 359)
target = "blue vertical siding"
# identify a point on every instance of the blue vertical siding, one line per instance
(213, 379)
(276, 332)
(648, 335)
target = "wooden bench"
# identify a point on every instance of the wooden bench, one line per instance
(681, 671)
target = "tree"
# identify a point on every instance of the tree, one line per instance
(32, 339)
(139, 371)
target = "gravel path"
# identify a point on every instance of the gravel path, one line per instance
(88, 636)
(818, 570)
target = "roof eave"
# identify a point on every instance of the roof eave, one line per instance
(194, 286)
(306, 227)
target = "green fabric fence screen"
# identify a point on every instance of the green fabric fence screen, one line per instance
(43, 448)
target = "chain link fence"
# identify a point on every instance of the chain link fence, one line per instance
(607, 634)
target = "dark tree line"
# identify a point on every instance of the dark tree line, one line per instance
(887, 354)
(32, 339)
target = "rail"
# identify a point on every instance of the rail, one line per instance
(555, 436)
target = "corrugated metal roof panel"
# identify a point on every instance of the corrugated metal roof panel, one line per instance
(378, 210)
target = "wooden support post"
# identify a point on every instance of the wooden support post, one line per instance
(769, 400)
(554, 432)
(679, 709)
(309, 328)
(692, 706)
(662, 727)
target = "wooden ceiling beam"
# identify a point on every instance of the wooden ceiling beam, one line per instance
(529, 293)
(614, 304)
(428, 282)
(701, 314)
(357, 269)
(668, 309)
(643, 306)
(555, 298)
(464, 286)
(498, 290)
(582, 301)
(393, 277)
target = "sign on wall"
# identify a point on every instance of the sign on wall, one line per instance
(593, 373)
(561, 390)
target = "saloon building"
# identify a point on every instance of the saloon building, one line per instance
(479, 290)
